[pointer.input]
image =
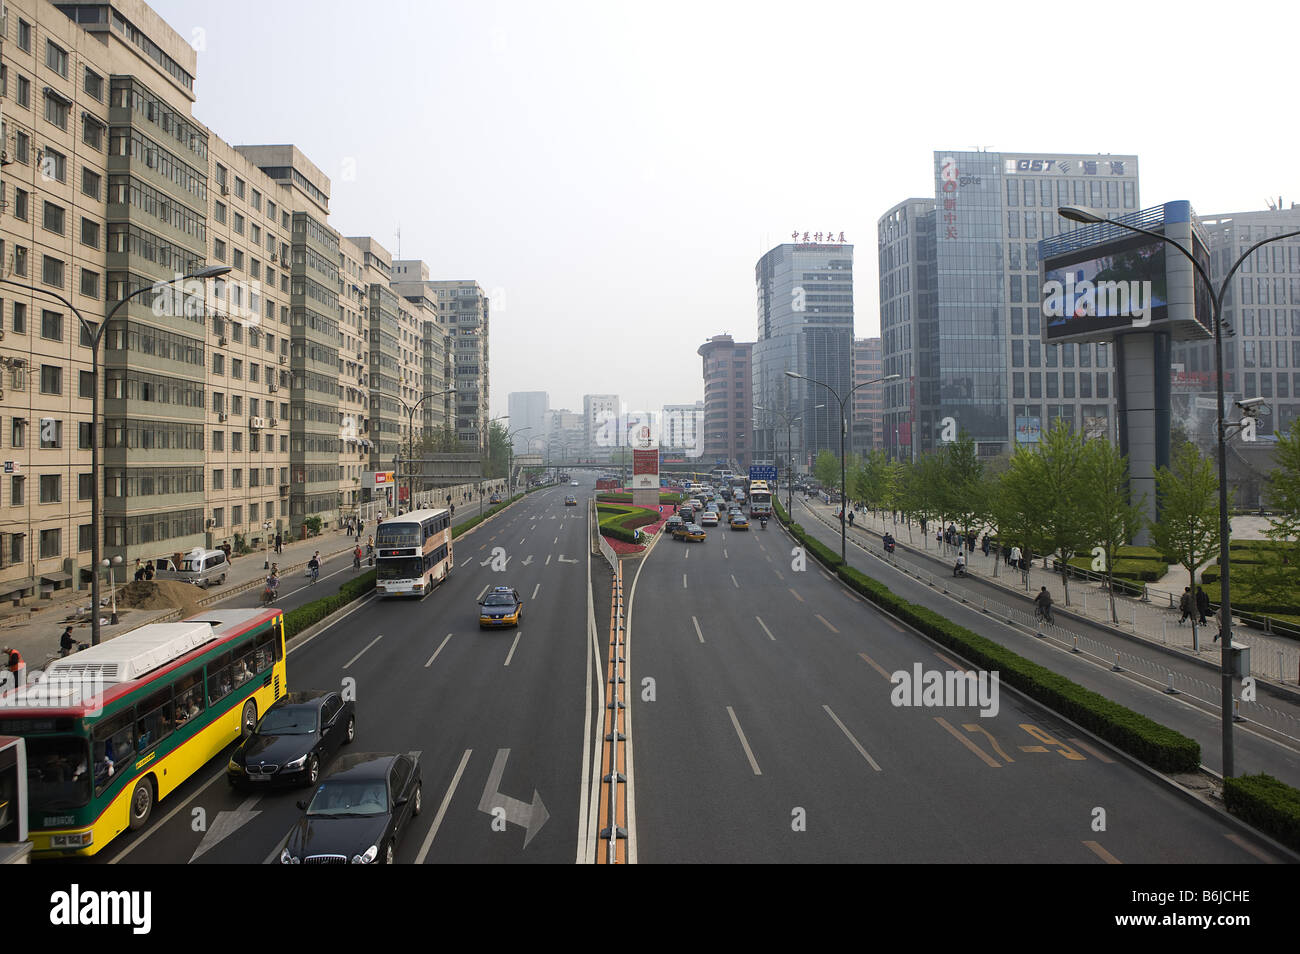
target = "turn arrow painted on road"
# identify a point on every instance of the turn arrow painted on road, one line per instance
(531, 818)
(225, 825)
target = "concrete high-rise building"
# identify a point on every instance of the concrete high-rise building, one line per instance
(601, 417)
(681, 429)
(466, 310)
(728, 415)
(866, 425)
(566, 435)
(527, 409)
(805, 324)
(960, 301)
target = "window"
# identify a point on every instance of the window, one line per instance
(90, 233)
(17, 491)
(24, 36)
(90, 182)
(94, 84)
(218, 440)
(52, 271)
(51, 325)
(92, 132)
(85, 537)
(218, 364)
(51, 488)
(21, 197)
(239, 222)
(236, 442)
(237, 404)
(51, 432)
(89, 283)
(85, 384)
(56, 58)
(85, 486)
(239, 187)
(51, 380)
(52, 220)
(51, 543)
(17, 433)
(219, 211)
(219, 517)
(219, 250)
(218, 480)
(54, 165)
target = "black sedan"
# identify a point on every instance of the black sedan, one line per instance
(358, 812)
(299, 732)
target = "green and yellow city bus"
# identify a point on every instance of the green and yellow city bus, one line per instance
(113, 729)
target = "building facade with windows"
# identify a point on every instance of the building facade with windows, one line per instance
(728, 415)
(866, 425)
(965, 332)
(527, 409)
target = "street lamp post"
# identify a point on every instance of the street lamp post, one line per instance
(510, 467)
(1079, 214)
(96, 335)
(789, 454)
(410, 439)
(112, 588)
(844, 427)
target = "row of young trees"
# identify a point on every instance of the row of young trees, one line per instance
(1063, 496)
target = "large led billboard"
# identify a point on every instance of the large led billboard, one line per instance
(1105, 289)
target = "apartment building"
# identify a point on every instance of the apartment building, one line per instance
(464, 310)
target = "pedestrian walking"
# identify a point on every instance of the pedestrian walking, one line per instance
(984, 545)
(1187, 604)
(1225, 623)
(1015, 556)
(15, 665)
(1202, 605)
(851, 513)
(66, 642)
(148, 570)
(279, 543)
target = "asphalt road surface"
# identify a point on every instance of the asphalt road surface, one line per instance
(773, 737)
(501, 719)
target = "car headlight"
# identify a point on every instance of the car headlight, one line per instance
(296, 764)
(371, 854)
(287, 859)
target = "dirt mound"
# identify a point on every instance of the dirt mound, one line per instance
(161, 594)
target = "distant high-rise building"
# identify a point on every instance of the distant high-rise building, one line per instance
(464, 310)
(728, 416)
(600, 414)
(960, 300)
(866, 421)
(527, 409)
(805, 325)
(681, 429)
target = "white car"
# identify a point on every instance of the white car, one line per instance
(573, 483)
(709, 519)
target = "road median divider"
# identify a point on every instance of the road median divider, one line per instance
(309, 614)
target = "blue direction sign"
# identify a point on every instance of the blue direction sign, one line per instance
(765, 472)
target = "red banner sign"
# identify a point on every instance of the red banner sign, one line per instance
(645, 462)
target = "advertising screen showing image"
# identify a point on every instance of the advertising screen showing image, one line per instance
(1087, 293)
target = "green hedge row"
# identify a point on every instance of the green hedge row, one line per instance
(1269, 805)
(297, 620)
(627, 498)
(1153, 743)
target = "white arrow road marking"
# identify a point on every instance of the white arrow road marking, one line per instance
(503, 565)
(548, 560)
(521, 542)
(527, 560)
(564, 559)
(436, 651)
(226, 824)
(529, 817)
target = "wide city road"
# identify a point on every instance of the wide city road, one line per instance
(498, 716)
(772, 737)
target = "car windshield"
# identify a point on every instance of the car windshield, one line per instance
(57, 779)
(499, 599)
(342, 798)
(288, 720)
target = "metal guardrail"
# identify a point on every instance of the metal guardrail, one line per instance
(1268, 665)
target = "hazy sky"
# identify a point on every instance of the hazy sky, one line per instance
(610, 172)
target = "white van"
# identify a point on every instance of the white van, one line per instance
(200, 567)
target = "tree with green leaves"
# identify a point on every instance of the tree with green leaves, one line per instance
(1065, 521)
(826, 468)
(1018, 502)
(962, 486)
(1112, 517)
(1188, 527)
(1276, 580)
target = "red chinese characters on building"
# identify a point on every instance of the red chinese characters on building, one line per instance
(948, 176)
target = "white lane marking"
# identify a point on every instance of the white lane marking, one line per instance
(724, 553)
(753, 763)
(765, 629)
(442, 809)
(535, 589)
(438, 650)
(511, 654)
(683, 581)
(358, 655)
(548, 560)
(856, 744)
(555, 541)
(733, 580)
(779, 575)
(482, 591)
(521, 542)
(697, 628)
(686, 554)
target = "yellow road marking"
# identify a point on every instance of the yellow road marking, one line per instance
(1102, 853)
(1033, 748)
(876, 666)
(1243, 844)
(795, 595)
(988, 759)
(976, 727)
(1093, 751)
(951, 662)
(826, 623)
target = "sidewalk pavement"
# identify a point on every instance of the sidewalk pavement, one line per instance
(35, 630)
(1272, 657)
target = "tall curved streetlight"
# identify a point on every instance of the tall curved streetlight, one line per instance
(96, 335)
(789, 453)
(410, 438)
(1075, 213)
(510, 467)
(844, 427)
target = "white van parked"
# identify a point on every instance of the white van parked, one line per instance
(200, 567)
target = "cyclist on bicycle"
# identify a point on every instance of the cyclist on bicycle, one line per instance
(314, 566)
(272, 584)
(1043, 604)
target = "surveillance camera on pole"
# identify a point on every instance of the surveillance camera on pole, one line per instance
(1252, 407)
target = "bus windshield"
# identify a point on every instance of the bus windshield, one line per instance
(399, 568)
(57, 776)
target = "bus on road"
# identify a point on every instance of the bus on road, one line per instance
(113, 729)
(760, 499)
(413, 553)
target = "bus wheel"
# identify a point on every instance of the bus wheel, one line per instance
(141, 803)
(248, 720)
